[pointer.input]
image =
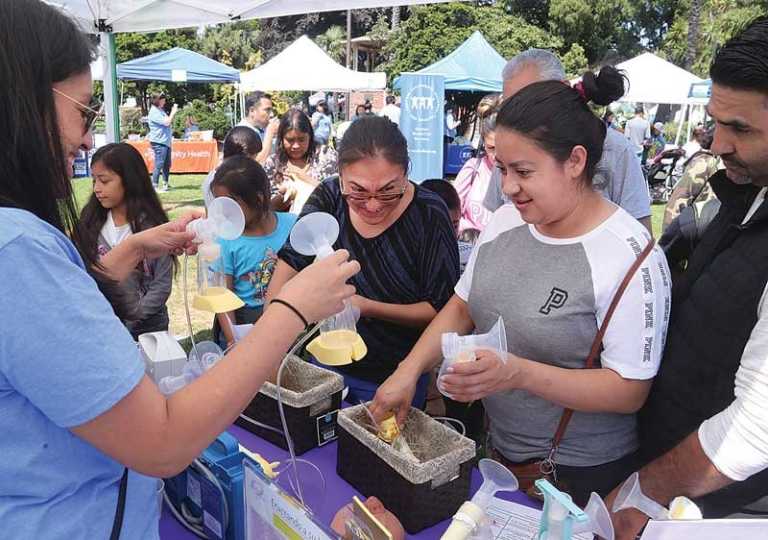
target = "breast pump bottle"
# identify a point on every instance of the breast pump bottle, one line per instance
(338, 343)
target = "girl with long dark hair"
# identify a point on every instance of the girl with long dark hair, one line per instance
(124, 203)
(300, 164)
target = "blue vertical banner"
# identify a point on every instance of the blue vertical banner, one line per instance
(421, 121)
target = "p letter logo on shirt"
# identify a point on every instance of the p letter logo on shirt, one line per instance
(556, 300)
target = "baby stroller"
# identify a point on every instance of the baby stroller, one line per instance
(662, 173)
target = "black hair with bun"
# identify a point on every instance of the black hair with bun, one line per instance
(558, 118)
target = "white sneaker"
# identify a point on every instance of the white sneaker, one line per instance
(163, 189)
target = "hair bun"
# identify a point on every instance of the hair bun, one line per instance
(604, 88)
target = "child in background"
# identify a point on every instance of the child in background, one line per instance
(249, 261)
(124, 202)
(447, 192)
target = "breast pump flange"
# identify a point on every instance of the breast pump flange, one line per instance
(338, 343)
(225, 221)
(561, 519)
(457, 349)
(631, 496)
(471, 521)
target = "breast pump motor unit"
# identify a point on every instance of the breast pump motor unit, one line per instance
(338, 343)
(562, 519)
(457, 349)
(471, 522)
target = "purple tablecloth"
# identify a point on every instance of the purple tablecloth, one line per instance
(337, 493)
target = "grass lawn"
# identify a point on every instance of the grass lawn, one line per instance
(185, 193)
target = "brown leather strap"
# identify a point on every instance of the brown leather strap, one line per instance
(598, 341)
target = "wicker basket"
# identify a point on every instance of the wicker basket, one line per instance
(420, 493)
(311, 396)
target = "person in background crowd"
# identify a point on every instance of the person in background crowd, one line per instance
(322, 125)
(403, 234)
(124, 203)
(609, 118)
(160, 138)
(259, 118)
(86, 434)
(447, 193)
(638, 130)
(619, 176)
(658, 142)
(391, 110)
(693, 187)
(473, 180)
(239, 141)
(704, 430)
(360, 112)
(299, 164)
(190, 126)
(368, 108)
(333, 105)
(694, 145)
(249, 261)
(450, 124)
(549, 266)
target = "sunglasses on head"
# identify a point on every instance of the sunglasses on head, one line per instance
(89, 112)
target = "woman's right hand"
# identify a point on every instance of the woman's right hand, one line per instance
(320, 289)
(395, 394)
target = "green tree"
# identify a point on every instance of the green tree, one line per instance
(234, 44)
(431, 32)
(719, 20)
(333, 42)
(574, 61)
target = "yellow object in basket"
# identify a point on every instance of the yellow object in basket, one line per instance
(388, 429)
(217, 300)
(338, 348)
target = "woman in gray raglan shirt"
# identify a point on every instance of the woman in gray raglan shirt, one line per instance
(549, 265)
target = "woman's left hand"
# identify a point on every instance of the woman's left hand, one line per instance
(488, 374)
(168, 238)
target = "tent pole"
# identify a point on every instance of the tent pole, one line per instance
(111, 104)
(347, 101)
(683, 113)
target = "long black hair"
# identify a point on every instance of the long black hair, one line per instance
(298, 120)
(39, 46)
(143, 207)
(558, 118)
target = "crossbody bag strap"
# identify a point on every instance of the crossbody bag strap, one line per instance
(596, 346)
(117, 524)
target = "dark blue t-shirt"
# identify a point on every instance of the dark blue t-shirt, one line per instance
(415, 260)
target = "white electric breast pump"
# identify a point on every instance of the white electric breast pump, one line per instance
(470, 521)
(338, 343)
(631, 496)
(457, 349)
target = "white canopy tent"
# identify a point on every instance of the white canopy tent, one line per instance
(305, 66)
(108, 17)
(654, 80)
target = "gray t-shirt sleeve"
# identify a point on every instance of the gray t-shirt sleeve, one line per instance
(494, 197)
(631, 188)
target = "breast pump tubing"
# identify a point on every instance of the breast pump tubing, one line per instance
(160, 436)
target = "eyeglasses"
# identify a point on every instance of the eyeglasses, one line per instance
(362, 197)
(89, 112)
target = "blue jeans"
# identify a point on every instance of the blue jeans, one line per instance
(162, 163)
(362, 390)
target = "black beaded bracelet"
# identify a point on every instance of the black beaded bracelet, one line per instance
(296, 311)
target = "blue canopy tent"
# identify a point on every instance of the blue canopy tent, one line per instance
(474, 66)
(177, 65)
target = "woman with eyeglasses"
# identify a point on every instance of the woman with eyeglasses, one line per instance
(404, 240)
(84, 433)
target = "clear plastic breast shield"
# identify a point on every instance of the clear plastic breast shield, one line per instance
(225, 221)
(631, 496)
(339, 342)
(471, 521)
(561, 519)
(458, 348)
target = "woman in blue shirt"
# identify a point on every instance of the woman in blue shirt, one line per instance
(160, 138)
(77, 408)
